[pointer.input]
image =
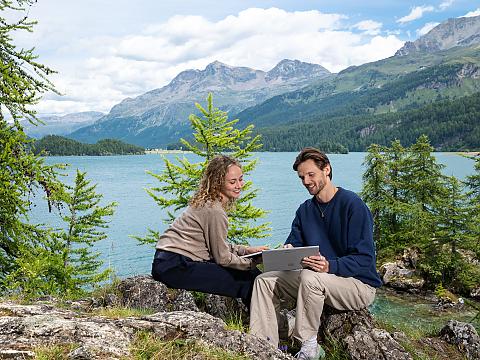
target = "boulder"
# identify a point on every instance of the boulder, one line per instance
(224, 307)
(25, 327)
(397, 276)
(356, 331)
(143, 292)
(475, 292)
(464, 336)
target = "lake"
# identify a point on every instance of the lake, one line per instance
(123, 179)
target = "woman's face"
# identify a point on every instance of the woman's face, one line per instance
(233, 183)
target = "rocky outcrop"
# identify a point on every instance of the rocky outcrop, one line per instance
(355, 330)
(25, 327)
(181, 315)
(464, 336)
(401, 274)
(142, 292)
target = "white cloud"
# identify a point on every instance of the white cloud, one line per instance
(472, 13)
(416, 13)
(99, 72)
(426, 28)
(370, 27)
(446, 4)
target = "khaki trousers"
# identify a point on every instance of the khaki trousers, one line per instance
(311, 290)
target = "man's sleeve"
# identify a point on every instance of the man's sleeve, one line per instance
(295, 238)
(360, 247)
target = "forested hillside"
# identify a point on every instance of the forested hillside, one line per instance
(59, 145)
(451, 125)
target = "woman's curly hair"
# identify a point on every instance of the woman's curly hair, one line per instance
(213, 180)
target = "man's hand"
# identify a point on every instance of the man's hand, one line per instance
(317, 263)
(254, 249)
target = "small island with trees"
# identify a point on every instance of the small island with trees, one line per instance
(54, 145)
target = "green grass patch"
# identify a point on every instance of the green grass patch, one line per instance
(121, 312)
(54, 352)
(234, 321)
(147, 347)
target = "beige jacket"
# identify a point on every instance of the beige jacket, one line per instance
(200, 234)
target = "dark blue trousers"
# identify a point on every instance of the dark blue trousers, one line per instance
(180, 272)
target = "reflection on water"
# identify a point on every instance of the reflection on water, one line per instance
(415, 314)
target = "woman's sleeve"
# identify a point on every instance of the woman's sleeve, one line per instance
(216, 230)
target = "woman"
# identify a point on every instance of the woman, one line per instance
(193, 253)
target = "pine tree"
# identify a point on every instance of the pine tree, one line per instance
(61, 262)
(213, 134)
(448, 256)
(425, 193)
(85, 220)
(374, 191)
(22, 80)
(473, 185)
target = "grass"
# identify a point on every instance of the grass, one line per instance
(54, 352)
(121, 312)
(235, 322)
(411, 329)
(147, 347)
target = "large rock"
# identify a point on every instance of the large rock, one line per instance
(143, 292)
(464, 336)
(23, 328)
(475, 293)
(356, 331)
(400, 276)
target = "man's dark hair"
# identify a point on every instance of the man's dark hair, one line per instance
(310, 153)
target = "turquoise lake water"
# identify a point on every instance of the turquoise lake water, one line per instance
(123, 179)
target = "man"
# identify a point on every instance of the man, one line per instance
(342, 275)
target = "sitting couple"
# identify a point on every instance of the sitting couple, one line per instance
(193, 253)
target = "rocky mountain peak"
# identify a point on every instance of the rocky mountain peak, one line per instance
(288, 69)
(217, 66)
(464, 31)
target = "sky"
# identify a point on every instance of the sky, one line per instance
(107, 50)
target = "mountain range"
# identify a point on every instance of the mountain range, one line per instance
(61, 125)
(160, 116)
(344, 111)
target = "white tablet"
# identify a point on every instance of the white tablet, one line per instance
(287, 258)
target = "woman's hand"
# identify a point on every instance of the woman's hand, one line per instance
(317, 263)
(254, 249)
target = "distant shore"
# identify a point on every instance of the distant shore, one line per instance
(162, 151)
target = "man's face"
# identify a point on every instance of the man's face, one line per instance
(312, 177)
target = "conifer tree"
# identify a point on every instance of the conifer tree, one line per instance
(425, 193)
(213, 134)
(449, 253)
(61, 261)
(22, 80)
(85, 220)
(473, 185)
(374, 191)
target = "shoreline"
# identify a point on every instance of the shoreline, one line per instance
(162, 151)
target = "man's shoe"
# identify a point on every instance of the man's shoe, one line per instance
(310, 351)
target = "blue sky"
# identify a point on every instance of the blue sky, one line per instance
(106, 51)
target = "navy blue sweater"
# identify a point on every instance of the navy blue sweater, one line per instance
(344, 235)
